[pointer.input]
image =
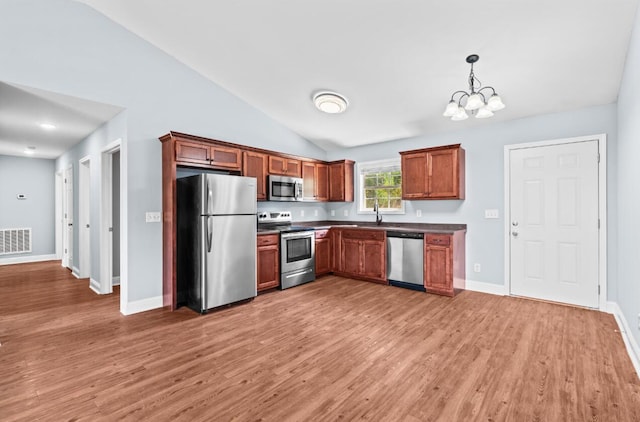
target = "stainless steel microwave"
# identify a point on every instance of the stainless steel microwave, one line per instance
(284, 188)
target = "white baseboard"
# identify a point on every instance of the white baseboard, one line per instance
(115, 281)
(142, 305)
(482, 287)
(75, 272)
(27, 258)
(632, 346)
(94, 285)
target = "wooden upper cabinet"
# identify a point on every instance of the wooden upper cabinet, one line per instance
(315, 181)
(226, 158)
(341, 181)
(284, 166)
(322, 182)
(434, 173)
(200, 154)
(190, 153)
(254, 164)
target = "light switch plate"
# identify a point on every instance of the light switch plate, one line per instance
(301, 213)
(315, 213)
(153, 217)
(492, 213)
(333, 213)
(346, 213)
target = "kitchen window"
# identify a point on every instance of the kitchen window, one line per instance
(380, 180)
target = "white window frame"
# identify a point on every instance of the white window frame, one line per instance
(361, 168)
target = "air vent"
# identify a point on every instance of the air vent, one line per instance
(15, 241)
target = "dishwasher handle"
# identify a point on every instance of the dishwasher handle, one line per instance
(406, 235)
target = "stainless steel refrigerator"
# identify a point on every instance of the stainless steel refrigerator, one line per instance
(216, 240)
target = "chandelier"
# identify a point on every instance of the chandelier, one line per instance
(475, 100)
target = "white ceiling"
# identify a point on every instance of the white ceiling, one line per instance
(23, 109)
(397, 61)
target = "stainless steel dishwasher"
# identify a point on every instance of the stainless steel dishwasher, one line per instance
(405, 258)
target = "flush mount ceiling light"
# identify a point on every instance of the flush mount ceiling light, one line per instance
(30, 150)
(475, 100)
(330, 102)
(47, 126)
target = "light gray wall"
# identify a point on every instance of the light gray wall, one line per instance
(35, 178)
(484, 147)
(67, 47)
(628, 206)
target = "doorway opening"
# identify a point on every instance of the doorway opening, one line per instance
(110, 227)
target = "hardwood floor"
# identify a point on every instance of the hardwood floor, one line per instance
(334, 349)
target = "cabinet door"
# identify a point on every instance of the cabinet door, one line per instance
(438, 277)
(226, 158)
(323, 256)
(322, 182)
(351, 256)
(254, 164)
(308, 181)
(190, 153)
(336, 249)
(443, 181)
(284, 166)
(373, 259)
(341, 181)
(414, 176)
(268, 267)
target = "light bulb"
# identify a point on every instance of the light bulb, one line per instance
(452, 108)
(495, 103)
(474, 102)
(461, 114)
(483, 113)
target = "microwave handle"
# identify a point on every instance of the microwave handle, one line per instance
(298, 191)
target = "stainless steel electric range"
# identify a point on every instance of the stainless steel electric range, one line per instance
(297, 248)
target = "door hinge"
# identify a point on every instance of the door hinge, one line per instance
(598, 223)
(598, 290)
(598, 157)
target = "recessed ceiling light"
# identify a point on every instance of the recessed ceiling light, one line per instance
(47, 126)
(30, 150)
(330, 102)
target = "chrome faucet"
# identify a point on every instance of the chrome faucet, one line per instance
(376, 208)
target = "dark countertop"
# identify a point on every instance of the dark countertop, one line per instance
(387, 226)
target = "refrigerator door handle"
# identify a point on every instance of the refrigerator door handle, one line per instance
(209, 234)
(208, 198)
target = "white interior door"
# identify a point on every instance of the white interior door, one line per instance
(554, 223)
(67, 232)
(84, 217)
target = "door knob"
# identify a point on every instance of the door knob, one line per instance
(514, 223)
(514, 234)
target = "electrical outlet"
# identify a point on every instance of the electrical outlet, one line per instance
(333, 213)
(492, 213)
(639, 321)
(476, 268)
(418, 213)
(315, 213)
(152, 217)
(346, 213)
(301, 213)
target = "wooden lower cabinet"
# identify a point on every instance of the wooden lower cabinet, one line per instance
(363, 254)
(323, 252)
(268, 265)
(444, 263)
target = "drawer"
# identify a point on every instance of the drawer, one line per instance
(363, 234)
(268, 239)
(321, 234)
(438, 239)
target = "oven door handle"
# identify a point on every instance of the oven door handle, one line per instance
(298, 235)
